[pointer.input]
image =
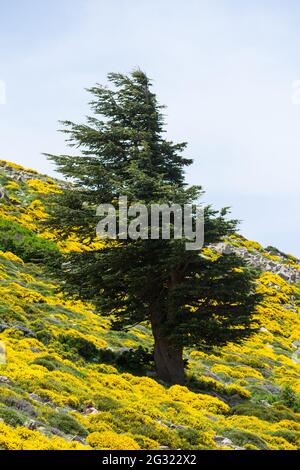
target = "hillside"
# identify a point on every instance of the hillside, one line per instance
(69, 382)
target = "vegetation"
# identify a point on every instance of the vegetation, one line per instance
(53, 397)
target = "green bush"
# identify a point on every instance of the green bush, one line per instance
(25, 243)
(12, 417)
(19, 404)
(66, 423)
(272, 414)
(105, 403)
(291, 436)
(135, 360)
(189, 435)
(290, 398)
(241, 438)
(44, 336)
(81, 346)
(48, 362)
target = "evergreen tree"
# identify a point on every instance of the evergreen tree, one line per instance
(189, 299)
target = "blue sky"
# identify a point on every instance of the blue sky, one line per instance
(224, 68)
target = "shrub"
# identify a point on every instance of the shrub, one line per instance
(105, 403)
(25, 243)
(109, 440)
(291, 436)
(12, 417)
(145, 443)
(135, 359)
(241, 438)
(272, 414)
(44, 336)
(66, 423)
(80, 345)
(290, 398)
(20, 405)
(189, 435)
(48, 362)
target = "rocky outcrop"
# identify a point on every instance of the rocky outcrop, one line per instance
(258, 260)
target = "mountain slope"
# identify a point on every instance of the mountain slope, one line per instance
(67, 381)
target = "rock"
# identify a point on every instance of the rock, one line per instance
(218, 439)
(90, 410)
(28, 333)
(264, 330)
(141, 327)
(56, 432)
(256, 259)
(4, 380)
(35, 397)
(274, 389)
(212, 418)
(266, 403)
(176, 426)
(123, 350)
(151, 373)
(223, 441)
(227, 442)
(31, 424)
(296, 357)
(35, 350)
(42, 429)
(78, 439)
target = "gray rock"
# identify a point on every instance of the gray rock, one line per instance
(227, 442)
(218, 439)
(31, 424)
(4, 380)
(78, 439)
(223, 441)
(259, 261)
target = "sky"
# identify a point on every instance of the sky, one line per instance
(228, 71)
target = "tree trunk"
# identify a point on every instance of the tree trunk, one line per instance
(168, 358)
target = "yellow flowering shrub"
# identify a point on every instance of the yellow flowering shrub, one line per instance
(43, 187)
(11, 257)
(108, 440)
(24, 439)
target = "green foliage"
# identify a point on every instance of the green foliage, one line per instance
(66, 423)
(291, 436)
(11, 416)
(105, 403)
(290, 398)
(82, 346)
(191, 436)
(241, 438)
(273, 413)
(20, 405)
(25, 243)
(44, 336)
(135, 360)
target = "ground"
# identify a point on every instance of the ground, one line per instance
(69, 382)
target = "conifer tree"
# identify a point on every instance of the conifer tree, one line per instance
(190, 298)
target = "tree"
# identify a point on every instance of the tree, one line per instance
(190, 298)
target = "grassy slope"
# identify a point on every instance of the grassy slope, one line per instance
(63, 388)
